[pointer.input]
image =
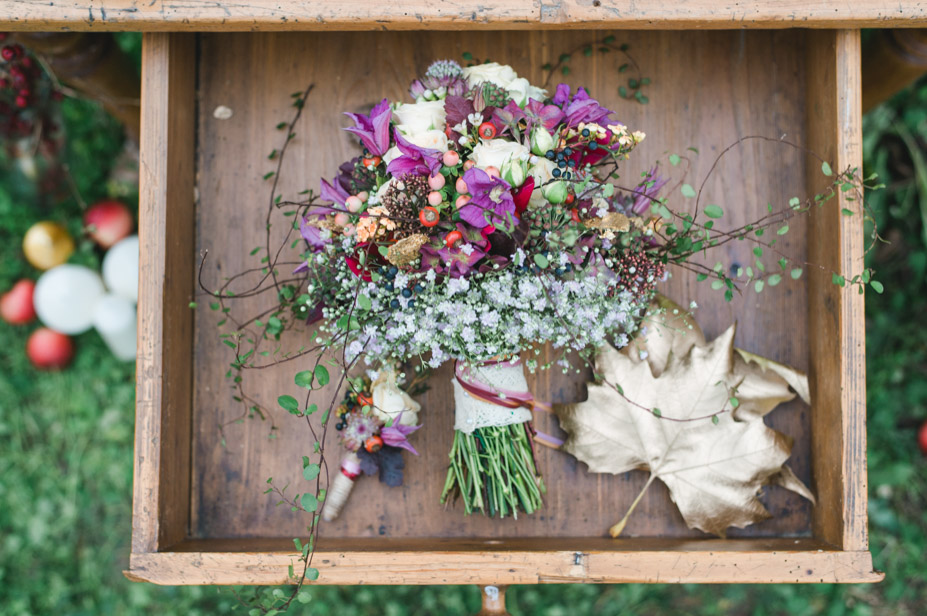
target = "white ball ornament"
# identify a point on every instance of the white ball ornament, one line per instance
(66, 297)
(115, 320)
(120, 268)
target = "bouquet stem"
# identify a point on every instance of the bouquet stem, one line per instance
(494, 472)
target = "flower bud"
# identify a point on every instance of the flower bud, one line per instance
(555, 192)
(541, 141)
(515, 172)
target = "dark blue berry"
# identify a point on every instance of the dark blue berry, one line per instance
(560, 156)
(394, 304)
(389, 287)
(593, 146)
(562, 164)
(411, 303)
(567, 175)
(393, 271)
(585, 132)
(555, 173)
(568, 151)
(407, 293)
(571, 163)
(419, 288)
(550, 155)
(559, 271)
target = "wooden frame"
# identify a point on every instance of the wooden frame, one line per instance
(200, 15)
(164, 552)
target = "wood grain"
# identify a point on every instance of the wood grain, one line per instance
(709, 90)
(165, 322)
(566, 561)
(836, 316)
(201, 15)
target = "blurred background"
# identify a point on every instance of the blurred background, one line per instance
(66, 402)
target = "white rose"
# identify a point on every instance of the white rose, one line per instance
(390, 154)
(495, 153)
(520, 90)
(389, 400)
(433, 139)
(415, 118)
(500, 74)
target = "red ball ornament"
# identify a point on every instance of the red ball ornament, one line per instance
(107, 222)
(487, 130)
(922, 438)
(16, 306)
(49, 350)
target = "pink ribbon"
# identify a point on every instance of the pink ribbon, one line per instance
(503, 397)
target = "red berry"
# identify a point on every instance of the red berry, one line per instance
(452, 238)
(487, 130)
(22, 101)
(8, 53)
(108, 222)
(25, 92)
(570, 198)
(16, 305)
(429, 216)
(49, 350)
(922, 438)
(372, 161)
(27, 62)
(574, 214)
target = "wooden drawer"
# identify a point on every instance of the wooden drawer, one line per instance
(199, 513)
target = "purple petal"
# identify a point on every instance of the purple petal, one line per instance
(562, 95)
(335, 194)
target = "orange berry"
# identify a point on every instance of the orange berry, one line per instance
(487, 130)
(373, 444)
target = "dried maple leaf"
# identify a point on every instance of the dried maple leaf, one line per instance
(691, 413)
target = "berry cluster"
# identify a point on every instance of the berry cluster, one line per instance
(25, 94)
(359, 428)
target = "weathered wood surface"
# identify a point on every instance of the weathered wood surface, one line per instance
(709, 89)
(836, 316)
(605, 561)
(161, 497)
(199, 15)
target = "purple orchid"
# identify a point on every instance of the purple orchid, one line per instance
(490, 195)
(334, 193)
(646, 192)
(582, 108)
(397, 434)
(414, 159)
(373, 130)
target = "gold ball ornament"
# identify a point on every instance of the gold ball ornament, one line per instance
(47, 244)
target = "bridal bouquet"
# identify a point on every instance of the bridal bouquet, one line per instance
(479, 224)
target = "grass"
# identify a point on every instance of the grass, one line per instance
(66, 438)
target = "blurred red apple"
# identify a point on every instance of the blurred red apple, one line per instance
(922, 438)
(49, 350)
(107, 222)
(16, 304)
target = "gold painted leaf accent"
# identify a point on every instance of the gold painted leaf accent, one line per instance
(613, 221)
(406, 250)
(674, 417)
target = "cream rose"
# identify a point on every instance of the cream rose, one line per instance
(415, 118)
(433, 139)
(521, 90)
(500, 74)
(495, 153)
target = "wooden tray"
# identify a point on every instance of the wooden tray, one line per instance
(199, 513)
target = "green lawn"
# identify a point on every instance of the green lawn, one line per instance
(66, 438)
